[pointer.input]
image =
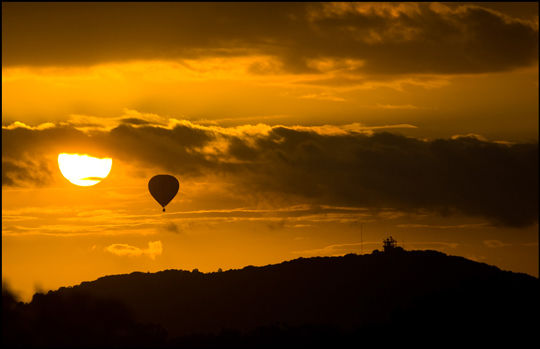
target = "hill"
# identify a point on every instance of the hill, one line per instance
(380, 296)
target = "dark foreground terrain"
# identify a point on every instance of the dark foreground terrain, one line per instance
(391, 298)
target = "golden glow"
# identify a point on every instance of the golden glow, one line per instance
(84, 170)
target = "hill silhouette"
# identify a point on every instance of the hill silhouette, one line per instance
(390, 296)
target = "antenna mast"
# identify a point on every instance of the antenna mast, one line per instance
(361, 239)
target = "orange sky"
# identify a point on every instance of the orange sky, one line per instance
(289, 127)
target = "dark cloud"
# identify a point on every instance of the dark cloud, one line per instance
(388, 38)
(173, 150)
(466, 175)
(169, 149)
(173, 228)
(385, 170)
(134, 121)
(20, 173)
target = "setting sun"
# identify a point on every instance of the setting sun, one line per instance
(84, 170)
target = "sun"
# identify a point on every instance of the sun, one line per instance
(84, 170)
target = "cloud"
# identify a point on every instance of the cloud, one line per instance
(340, 249)
(470, 135)
(396, 106)
(321, 165)
(18, 124)
(364, 247)
(428, 244)
(154, 249)
(58, 221)
(323, 96)
(411, 38)
(386, 170)
(20, 172)
(495, 244)
(173, 228)
(434, 226)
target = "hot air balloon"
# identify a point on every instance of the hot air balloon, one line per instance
(163, 189)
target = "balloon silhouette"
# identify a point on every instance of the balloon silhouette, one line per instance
(163, 188)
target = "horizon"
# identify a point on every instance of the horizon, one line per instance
(285, 130)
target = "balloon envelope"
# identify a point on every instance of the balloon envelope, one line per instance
(163, 188)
